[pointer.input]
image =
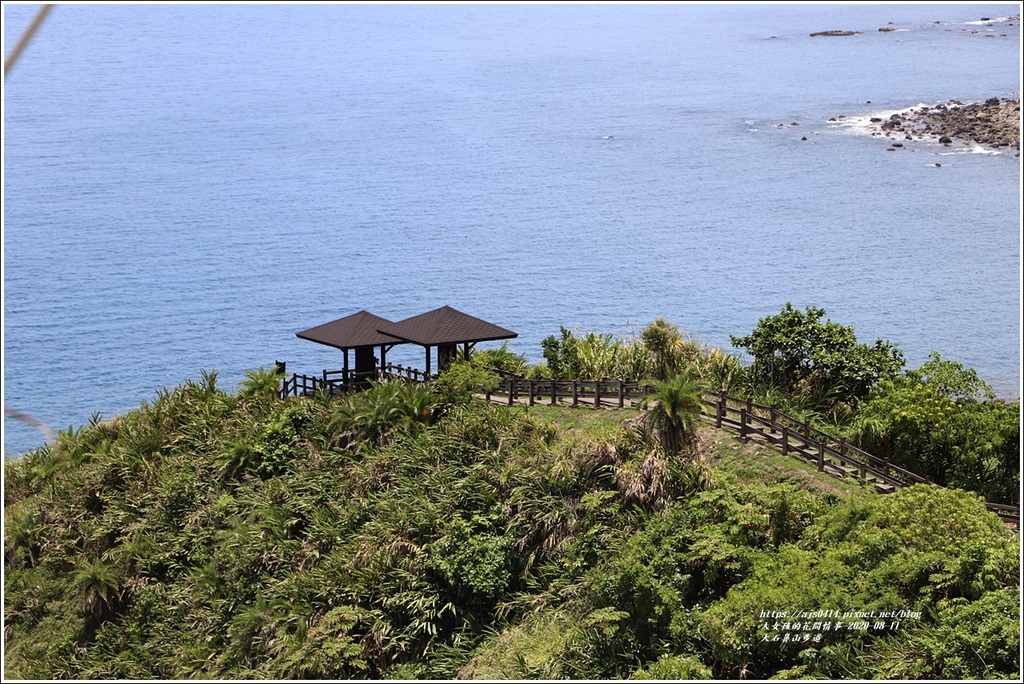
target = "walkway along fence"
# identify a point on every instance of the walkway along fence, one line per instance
(831, 455)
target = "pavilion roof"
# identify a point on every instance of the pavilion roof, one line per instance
(445, 326)
(358, 330)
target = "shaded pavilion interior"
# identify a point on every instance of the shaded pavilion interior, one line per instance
(365, 334)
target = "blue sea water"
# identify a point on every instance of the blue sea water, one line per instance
(186, 186)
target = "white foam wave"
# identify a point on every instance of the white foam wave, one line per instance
(994, 20)
(974, 149)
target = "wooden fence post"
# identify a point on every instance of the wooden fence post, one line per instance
(621, 397)
(597, 394)
(554, 395)
(743, 423)
(785, 440)
(721, 411)
(529, 384)
(821, 457)
(575, 392)
(771, 426)
(511, 390)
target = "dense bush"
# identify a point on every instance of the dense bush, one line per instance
(940, 422)
(659, 352)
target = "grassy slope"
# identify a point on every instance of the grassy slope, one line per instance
(749, 461)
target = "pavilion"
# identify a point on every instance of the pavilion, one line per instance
(445, 328)
(364, 333)
(358, 332)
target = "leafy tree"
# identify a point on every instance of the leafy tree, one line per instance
(798, 354)
(950, 380)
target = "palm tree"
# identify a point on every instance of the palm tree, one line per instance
(662, 339)
(99, 586)
(261, 382)
(673, 409)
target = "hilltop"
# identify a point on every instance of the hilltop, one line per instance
(416, 532)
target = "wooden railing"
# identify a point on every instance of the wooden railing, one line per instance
(829, 453)
(338, 382)
(795, 437)
(399, 372)
(595, 393)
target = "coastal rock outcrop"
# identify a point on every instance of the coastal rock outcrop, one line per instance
(820, 34)
(994, 123)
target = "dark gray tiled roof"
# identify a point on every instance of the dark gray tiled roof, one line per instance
(445, 326)
(358, 330)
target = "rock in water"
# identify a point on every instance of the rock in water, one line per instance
(994, 123)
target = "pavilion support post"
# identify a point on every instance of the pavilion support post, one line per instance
(428, 362)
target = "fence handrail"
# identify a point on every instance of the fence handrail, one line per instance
(1008, 512)
(341, 381)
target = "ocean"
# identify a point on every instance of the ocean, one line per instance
(187, 186)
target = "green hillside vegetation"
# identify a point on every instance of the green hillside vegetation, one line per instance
(416, 532)
(940, 420)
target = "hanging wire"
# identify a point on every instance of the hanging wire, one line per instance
(45, 429)
(25, 38)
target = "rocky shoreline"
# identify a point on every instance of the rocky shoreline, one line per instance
(994, 123)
